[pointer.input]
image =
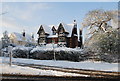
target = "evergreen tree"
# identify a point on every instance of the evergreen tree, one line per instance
(5, 39)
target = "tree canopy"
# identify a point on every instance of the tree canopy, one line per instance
(99, 19)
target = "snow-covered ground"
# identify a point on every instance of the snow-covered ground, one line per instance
(7, 69)
(103, 66)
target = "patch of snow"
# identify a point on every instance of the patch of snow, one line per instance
(14, 69)
(53, 36)
(68, 28)
(22, 48)
(75, 35)
(49, 47)
(46, 28)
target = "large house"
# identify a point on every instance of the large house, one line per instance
(62, 35)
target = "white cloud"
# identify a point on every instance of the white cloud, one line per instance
(32, 9)
(14, 27)
(27, 12)
(9, 23)
(39, 6)
(11, 20)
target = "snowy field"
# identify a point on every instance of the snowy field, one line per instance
(103, 66)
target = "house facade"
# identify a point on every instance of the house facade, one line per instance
(21, 39)
(62, 35)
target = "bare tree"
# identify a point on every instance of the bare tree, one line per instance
(96, 20)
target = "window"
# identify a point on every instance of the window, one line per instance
(42, 40)
(62, 39)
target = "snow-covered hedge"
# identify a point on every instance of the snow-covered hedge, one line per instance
(21, 52)
(61, 53)
(44, 53)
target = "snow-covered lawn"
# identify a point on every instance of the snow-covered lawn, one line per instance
(7, 69)
(67, 64)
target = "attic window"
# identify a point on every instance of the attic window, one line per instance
(54, 32)
(42, 33)
(42, 40)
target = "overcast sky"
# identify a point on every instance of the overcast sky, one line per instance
(30, 15)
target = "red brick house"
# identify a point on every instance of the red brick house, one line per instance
(62, 35)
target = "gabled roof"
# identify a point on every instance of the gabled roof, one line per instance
(56, 27)
(68, 28)
(46, 28)
(51, 33)
(53, 28)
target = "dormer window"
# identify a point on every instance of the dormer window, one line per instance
(53, 30)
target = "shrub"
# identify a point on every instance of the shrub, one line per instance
(21, 52)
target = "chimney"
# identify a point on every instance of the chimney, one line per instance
(80, 39)
(80, 33)
(75, 24)
(32, 35)
(74, 20)
(23, 33)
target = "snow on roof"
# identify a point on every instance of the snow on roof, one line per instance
(53, 36)
(47, 29)
(17, 35)
(56, 27)
(20, 36)
(68, 28)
